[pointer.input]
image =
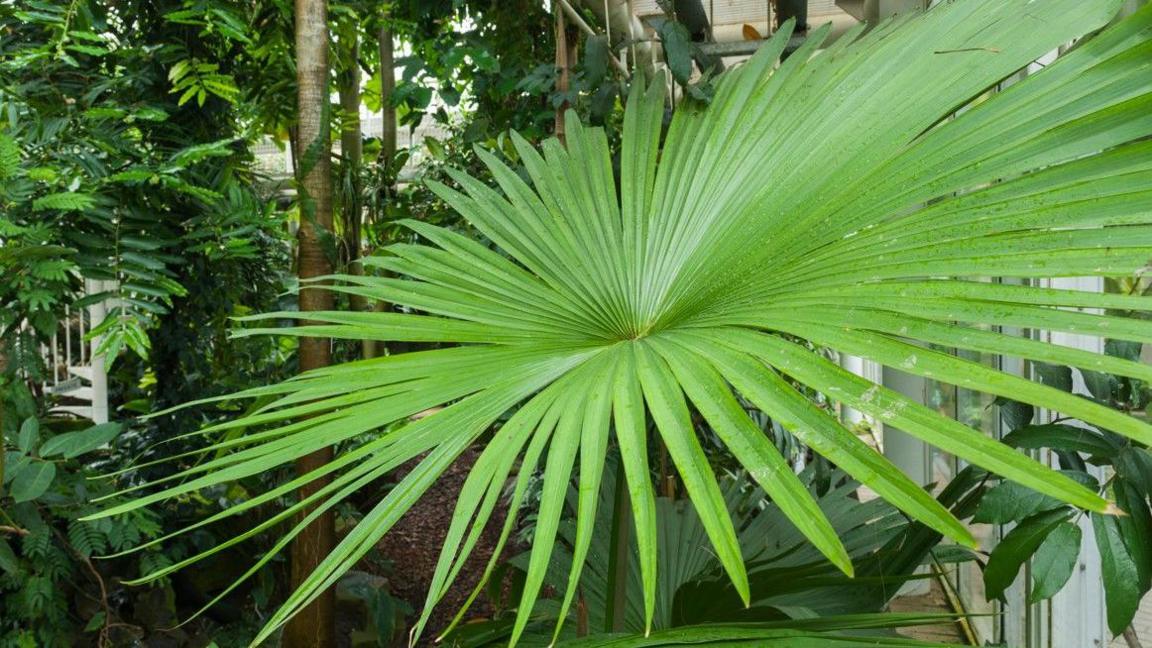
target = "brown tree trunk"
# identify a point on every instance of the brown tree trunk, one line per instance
(387, 87)
(314, 626)
(3, 370)
(565, 52)
(352, 147)
(373, 348)
(352, 152)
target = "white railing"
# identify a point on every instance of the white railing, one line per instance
(76, 375)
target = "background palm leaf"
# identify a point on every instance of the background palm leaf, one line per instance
(706, 277)
(788, 576)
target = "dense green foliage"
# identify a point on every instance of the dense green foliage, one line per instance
(122, 178)
(124, 159)
(1046, 530)
(691, 280)
(634, 326)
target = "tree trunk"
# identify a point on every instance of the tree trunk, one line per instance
(314, 626)
(387, 87)
(352, 152)
(565, 54)
(3, 398)
(373, 348)
(352, 148)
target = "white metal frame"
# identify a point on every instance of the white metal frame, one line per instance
(1076, 616)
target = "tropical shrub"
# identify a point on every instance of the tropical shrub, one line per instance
(107, 173)
(1046, 531)
(789, 578)
(53, 593)
(822, 201)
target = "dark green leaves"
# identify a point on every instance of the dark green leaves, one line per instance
(678, 50)
(1014, 413)
(1054, 561)
(9, 157)
(1121, 575)
(1134, 465)
(32, 471)
(596, 54)
(1016, 548)
(1058, 436)
(9, 563)
(1056, 376)
(1009, 502)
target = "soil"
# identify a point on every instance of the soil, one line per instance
(413, 546)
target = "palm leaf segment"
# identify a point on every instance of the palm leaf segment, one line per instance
(704, 278)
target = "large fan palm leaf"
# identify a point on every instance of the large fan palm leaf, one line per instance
(825, 201)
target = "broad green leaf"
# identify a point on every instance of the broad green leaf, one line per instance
(774, 396)
(557, 474)
(1015, 414)
(1100, 385)
(596, 53)
(670, 412)
(29, 436)
(593, 455)
(1061, 437)
(1054, 376)
(1135, 529)
(678, 47)
(1010, 502)
(1016, 548)
(1121, 575)
(1054, 561)
(631, 434)
(33, 481)
(1134, 465)
(74, 444)
(752, 448)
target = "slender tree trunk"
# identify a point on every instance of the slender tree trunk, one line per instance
(314, 626)
(352, 152)
(372, 348)
(565, 52)
(387, 87)
(3, 398)
(352, 148)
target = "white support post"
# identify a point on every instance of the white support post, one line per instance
(864, 369)
(68, 359)
(97, 313)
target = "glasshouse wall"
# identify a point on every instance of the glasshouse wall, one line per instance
(575, 323)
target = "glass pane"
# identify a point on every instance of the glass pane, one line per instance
(973, 409)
